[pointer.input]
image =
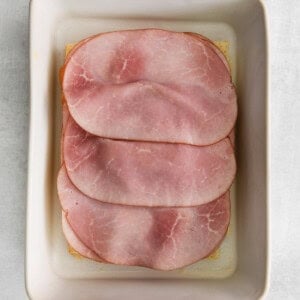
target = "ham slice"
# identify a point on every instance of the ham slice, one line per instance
(150, 85)
(75, 243)
(213, 46)
(159, 238)
(231, 137)
(65, 116)
(145, 173)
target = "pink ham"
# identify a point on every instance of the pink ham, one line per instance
(150, 85)
(231, 137)
(75, 243)
(213, 46)
(65, 116)
(159, 238)
(144, 173)
(231, 134)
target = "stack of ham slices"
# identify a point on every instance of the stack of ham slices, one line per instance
(147, 163)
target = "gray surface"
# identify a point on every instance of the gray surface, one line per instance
(285, 161)
(14, 108)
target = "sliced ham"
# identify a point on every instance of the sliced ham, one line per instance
(213, 46)
(159, 238)
(231, 137)
(144, 173)
(65, 116)
(76, 243)
(150, 85)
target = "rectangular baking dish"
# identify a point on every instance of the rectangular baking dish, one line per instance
(242, 270)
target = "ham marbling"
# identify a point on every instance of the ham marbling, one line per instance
(145, 173)
(159, 238)
(151, 85)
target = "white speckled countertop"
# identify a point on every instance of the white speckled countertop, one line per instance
(284, 45)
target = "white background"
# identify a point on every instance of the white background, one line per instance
(284, 40)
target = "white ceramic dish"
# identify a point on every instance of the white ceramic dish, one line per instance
(241, 271)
